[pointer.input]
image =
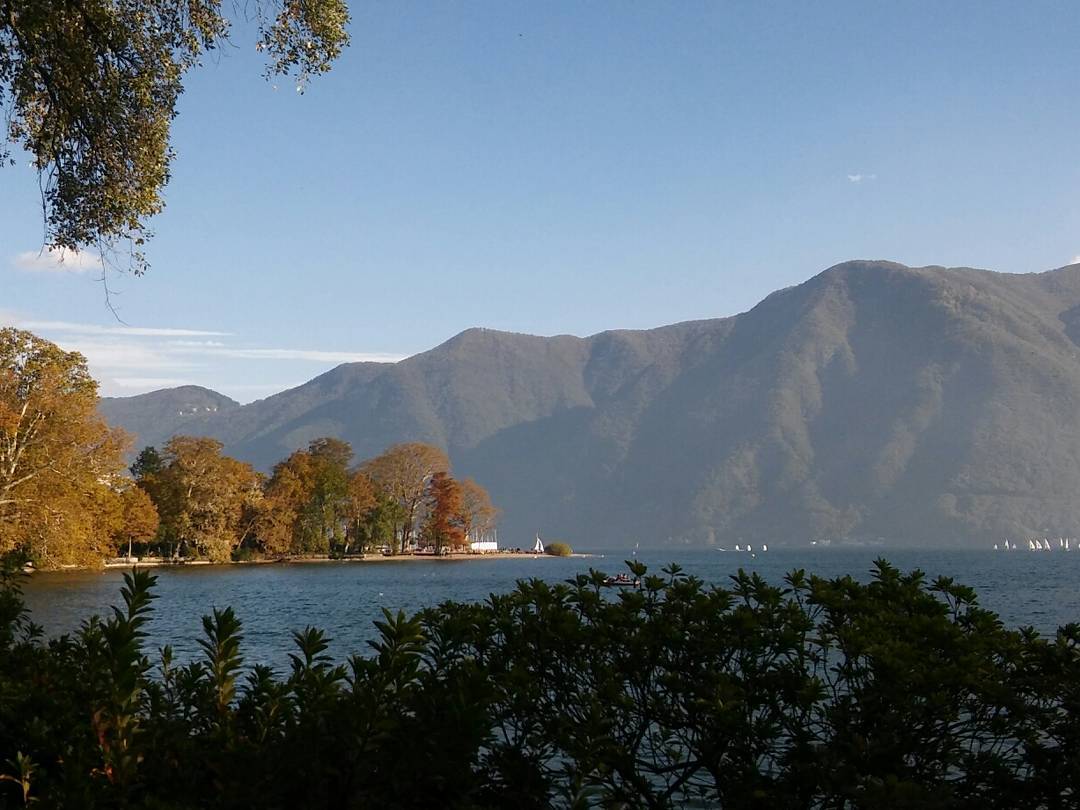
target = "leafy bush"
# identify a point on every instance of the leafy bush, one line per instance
(817, 693)
(558, 549)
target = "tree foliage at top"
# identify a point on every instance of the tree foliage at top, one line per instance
(89, 90)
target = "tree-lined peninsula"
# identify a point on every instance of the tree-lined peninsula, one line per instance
(67, 499)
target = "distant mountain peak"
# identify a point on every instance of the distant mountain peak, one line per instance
(923, 405)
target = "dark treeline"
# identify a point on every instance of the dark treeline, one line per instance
(900, 693)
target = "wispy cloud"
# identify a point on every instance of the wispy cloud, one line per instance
(192, 344)
(130, 331)
(127, 355)
(311, 355)
(57, 260)
(860, 178)
(133, 359)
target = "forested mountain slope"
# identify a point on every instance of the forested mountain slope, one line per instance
(918, 405)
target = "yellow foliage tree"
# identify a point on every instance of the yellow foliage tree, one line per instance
(58, 458)
(138, 519)
(205, 499)
(477, 511)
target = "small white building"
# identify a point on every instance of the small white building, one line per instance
(484, 542)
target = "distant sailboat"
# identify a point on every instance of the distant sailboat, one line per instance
(538, 546)
(1031, 545)
(995, 547)
(764, 546)
(737, 547)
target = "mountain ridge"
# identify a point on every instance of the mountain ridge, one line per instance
(874, 400)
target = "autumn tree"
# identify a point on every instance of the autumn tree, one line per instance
(477, 511)
(138, 517)
(57, 456)
(403, 472)
(89, 90)
(205, 499)
(306, 503)
(445, 521)
(284, 495)
(361, 499)
(379, 524)
(327, 512)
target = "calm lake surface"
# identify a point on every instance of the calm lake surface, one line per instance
(1041, 589)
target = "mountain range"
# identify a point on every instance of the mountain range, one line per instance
(873, 403)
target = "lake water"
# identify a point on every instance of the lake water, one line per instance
(1037, 588)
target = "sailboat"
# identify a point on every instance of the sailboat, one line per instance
(764, 546)
(737, 547)
(538, 546)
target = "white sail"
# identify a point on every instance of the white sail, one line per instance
(1031, 545)
(737, 547)
(764, 547)
(538, 546)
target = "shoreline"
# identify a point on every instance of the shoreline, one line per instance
(158, 562)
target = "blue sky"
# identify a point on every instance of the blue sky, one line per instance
(552, 167)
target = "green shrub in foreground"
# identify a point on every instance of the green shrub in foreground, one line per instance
(816, 693)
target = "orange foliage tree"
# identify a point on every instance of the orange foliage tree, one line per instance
(445, 523)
